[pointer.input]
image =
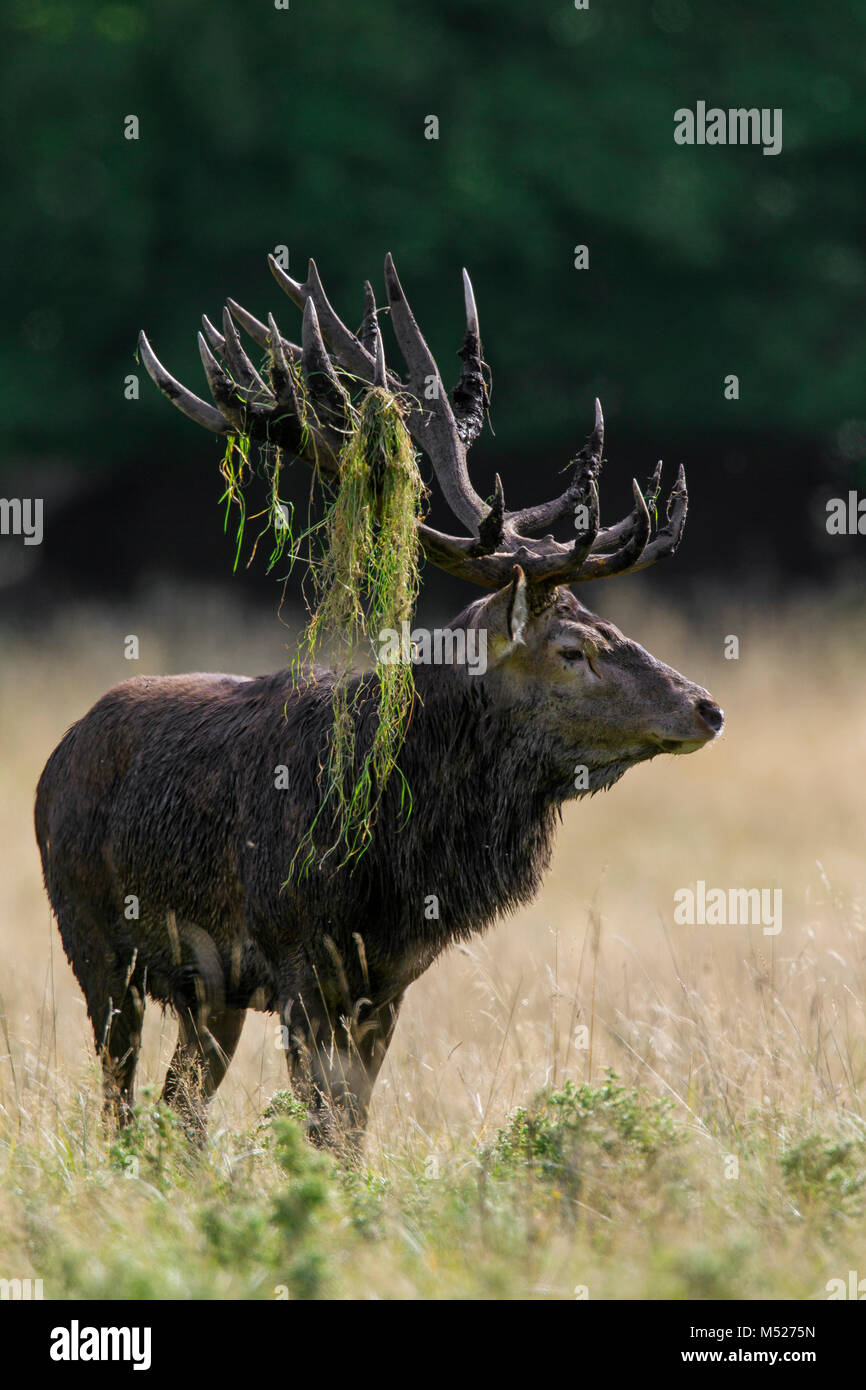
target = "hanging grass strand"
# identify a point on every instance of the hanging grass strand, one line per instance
(368, 581)
(235, 469)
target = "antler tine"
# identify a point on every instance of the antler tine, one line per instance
(595, 444)
(258, 331)
(471, 307)
(654, 483)
(491, 531)
(342, 342)
(192, 406)
(213, 335)
(668, 537)
(230, 398)
(282, 380)
(237, 361)
(381, 376)
(470, 394)
(621, 561)
(321, 379)
(611, 536)
(282, 383)
(434, 429)
(587, 462)
(369, 332)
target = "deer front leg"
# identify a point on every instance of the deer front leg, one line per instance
(205, 1047)
(333, 1064)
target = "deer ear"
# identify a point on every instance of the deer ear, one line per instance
(518, 607)
(504, 617)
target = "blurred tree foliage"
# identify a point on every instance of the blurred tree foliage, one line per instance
(305, 126)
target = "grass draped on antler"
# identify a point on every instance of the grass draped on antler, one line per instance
(236, 471)
(367, 581)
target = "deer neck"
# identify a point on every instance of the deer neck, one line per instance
(483, 817)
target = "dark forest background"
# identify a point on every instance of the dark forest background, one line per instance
(305, 127)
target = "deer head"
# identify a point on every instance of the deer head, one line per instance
(599, 698)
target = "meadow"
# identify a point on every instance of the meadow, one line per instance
(591, 1101)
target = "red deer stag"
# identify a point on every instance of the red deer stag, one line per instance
(165, 790)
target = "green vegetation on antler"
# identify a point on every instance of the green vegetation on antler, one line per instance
(235, 469)
(367, 581)
(364, 565)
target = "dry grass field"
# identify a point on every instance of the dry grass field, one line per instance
(727, 1160)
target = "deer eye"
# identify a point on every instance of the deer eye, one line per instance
(573, 653)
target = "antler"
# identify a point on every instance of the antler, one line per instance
(305, 407)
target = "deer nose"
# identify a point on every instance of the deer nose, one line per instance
(712, 716)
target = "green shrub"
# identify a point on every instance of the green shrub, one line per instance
(568, 1134)
(823, 1171)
